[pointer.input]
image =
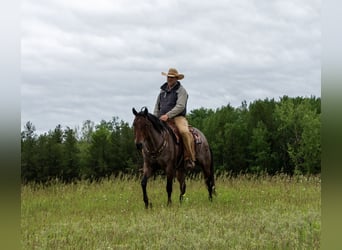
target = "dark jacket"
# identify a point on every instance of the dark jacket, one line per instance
(171, 102)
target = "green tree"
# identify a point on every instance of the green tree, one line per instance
(70, 169)
(311, 143)
(300, 125)
(197, 117)
(83, 145)
(214, 127)
(28, 152)
(236, 139)
(265, 143)
(55, 152)
(260, 149)
(43, 158)
(87, 129)
(99, 152)
(227, 135)
(124, 154)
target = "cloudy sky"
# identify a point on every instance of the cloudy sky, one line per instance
(92, 60)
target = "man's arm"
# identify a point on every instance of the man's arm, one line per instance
(156, 111)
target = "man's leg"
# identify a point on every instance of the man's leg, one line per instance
(183, 127)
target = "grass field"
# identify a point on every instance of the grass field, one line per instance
(276, 212)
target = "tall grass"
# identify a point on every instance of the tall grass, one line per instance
(248, 212)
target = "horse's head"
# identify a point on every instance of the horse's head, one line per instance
(141, 126)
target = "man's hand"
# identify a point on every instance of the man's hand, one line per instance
(164, 118)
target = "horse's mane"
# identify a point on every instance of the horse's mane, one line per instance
(158, 125)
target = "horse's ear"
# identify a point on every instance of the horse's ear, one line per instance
(145, 111)
(134, 111)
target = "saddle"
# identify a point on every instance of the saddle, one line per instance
(196, 137)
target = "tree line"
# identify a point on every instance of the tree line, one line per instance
(266, 136)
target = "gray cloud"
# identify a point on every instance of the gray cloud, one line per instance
(82, 60)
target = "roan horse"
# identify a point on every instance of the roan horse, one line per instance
(160, 149)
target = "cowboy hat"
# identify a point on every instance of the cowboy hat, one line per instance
(173, 73)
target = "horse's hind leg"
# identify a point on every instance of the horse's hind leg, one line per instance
(210, 188)
(182, 185)
(209, 181)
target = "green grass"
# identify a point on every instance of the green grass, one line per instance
(248, 213)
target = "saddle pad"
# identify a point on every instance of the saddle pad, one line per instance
(197, 137)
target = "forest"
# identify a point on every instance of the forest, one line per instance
(262, 137)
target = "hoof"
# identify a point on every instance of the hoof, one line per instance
(147, 205)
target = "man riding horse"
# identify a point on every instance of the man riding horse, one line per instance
(171, 105)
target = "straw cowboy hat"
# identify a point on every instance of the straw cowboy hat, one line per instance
(173, 73)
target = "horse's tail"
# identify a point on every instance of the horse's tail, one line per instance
(212, 177)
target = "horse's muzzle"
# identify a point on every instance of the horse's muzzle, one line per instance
(139, 145)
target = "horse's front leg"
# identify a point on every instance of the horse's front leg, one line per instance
(169, 188)
(146, 175)
(143, 186)
(181, 179)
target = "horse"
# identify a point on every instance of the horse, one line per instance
(160, 149)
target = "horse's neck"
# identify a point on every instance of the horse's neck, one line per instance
(155, 139)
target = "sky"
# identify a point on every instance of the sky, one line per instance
(95, 60)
